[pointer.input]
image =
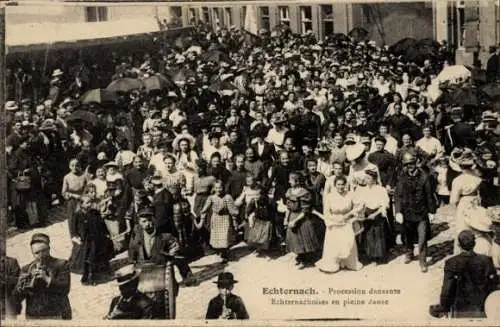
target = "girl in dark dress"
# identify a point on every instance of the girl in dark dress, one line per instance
(92, 247)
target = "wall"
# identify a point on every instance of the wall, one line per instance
(40, 14)
(399, 20)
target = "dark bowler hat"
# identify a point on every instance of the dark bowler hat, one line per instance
(40, 238)
(225, 279)
(145, 212)
(156, 180)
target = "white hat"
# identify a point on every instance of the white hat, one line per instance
(102, 156)
(11, 106)
(354, 151)
(480, 220)
(126, 274)
(57, 73)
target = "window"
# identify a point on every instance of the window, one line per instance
(206, 15)
(96, 14)
(327, 19)
(264, 18)
(175, 16)
(228, 16)
(305, 19)
(217, 17)
(284, 15)
(193, 16)
(461, 22)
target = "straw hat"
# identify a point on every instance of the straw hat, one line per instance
(126, 275)
(461, 157)
(11, 106)
(57, 73)
(479, 220)
(184, 136)
(278, 117)
(354, 151)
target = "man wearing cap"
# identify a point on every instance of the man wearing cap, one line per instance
(468, 280)
(130, 304)
(413, 202)
(44, 283)
(226, 305)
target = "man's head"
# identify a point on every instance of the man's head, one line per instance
(466, 240)
(146, 221)
(40, 247)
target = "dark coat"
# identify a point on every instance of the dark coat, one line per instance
(96, 248)
(12, 271)
(414, 196)
(163, 206)
(233, 302)
(52, 301)
(492, 66)
(138, 307)
(386, 164)
(468, 280)
(268, 153)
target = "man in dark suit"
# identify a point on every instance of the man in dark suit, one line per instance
(11, 306)
(414, 201)
(163, 206)
(150, 246)
(468, 280)
(44, 283)
(226, 305)
(264, 151)
(130, 304)
(492, 66)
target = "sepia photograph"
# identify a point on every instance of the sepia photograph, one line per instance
(284, 162)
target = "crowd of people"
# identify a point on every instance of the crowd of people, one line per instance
(333, 150)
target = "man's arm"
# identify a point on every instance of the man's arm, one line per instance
(60, 281)
(449, 288)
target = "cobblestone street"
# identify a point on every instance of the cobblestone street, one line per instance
(416, 290)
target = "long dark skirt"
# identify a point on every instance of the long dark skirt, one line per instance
(376, 238)
(260, 234)
(304, 238)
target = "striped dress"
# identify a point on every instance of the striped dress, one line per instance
(222, 211)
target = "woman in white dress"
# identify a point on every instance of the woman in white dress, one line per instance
(340, 212)
(464, 193)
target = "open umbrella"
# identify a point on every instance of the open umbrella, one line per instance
(98, 96)
(222, 86)
(400, 47)
(158, 82)
(464, 96)
(453, 74)
(430, 42)
(124, 85)
(216, 56)
(492, 90)
(182, 75)
(83, 115)
(338, 37)
(194, 48)
(359, 34)
(419, 53)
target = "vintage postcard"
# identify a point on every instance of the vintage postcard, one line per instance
(267, 162)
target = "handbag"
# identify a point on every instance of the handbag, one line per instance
(22, 181)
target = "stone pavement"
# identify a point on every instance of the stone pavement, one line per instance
(342, 291)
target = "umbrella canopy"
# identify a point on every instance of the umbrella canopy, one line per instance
(339, 37)
(99, 96)
(402, 46)
(124, 85)
(453, 74)
(194, 48)
(464, 96)
(222, 85)
(359, 34)
(216, 56)
(430, 42)
(492, 90)
(158, 82)
(83, 115)
(420, 53)
(182, 75)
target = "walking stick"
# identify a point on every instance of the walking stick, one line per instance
(170, 297)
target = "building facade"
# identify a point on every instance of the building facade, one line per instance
(472, 26)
